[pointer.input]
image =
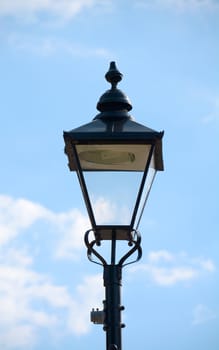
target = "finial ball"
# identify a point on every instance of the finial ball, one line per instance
(113, 75)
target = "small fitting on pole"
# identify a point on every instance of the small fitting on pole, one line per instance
(113, 347)
(97, 316)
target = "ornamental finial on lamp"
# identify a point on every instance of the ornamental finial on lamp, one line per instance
(114, 103)
(113, 75)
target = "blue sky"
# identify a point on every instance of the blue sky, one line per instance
(54, 55)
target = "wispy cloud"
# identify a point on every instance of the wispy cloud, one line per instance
(32, 10)
(48, 46)
(167, 269)
(180, 5)
(202, 314)
(161, 255)
(213, 116)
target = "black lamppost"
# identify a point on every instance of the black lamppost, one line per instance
(115, 155)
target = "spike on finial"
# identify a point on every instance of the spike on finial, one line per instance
(113, 75)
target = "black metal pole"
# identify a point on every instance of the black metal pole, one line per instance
(112, 306)
(112, 276)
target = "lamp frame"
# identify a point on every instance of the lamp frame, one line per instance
(122, 231)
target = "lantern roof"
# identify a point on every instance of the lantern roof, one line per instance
(114, 124)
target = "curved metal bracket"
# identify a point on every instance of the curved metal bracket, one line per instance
(135, 243)
(91, 250)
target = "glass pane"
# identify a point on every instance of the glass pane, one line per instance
(113, 157)
(148, 183)
(113, 195)
(113, 175)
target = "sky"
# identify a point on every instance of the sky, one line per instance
(53, 58)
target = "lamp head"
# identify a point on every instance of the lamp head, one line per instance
(110, 145)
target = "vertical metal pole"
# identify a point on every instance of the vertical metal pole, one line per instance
(112, 305)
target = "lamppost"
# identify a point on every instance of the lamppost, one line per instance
(115, 158)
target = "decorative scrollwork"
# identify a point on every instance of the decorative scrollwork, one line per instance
(134, 243)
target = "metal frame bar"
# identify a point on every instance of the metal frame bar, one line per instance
(141, 187)
(145, 201)
(84, 188)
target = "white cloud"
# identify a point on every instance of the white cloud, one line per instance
(30, 301)
(202, 314)
(18, 317)
(64, 10)
(167, 269)
(17, 215)
(17, 337)
(171, 276)
(206, 265)
(107, 211)
(61, 9)
(160, 255)
(89, 295)
(15, 257)
(164, 276)
(71, 227)
(104, 210)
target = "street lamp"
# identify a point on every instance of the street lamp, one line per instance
(116, 160)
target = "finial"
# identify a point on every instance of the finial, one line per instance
(113, 103)
(113, 75)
